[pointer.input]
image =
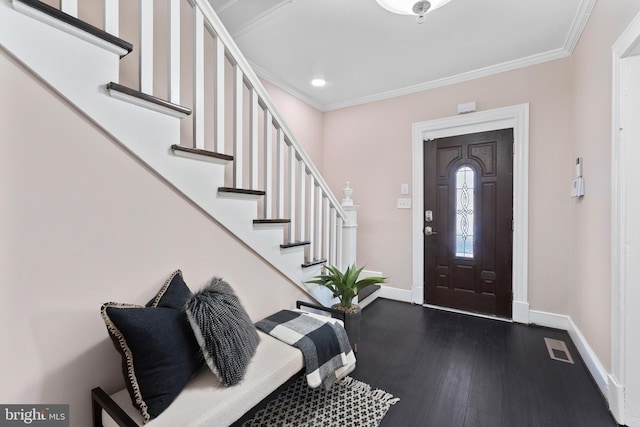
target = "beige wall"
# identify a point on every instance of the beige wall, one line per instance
(370, 145)
(83, 223)
(591, 241)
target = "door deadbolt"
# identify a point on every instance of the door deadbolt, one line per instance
(428, 216)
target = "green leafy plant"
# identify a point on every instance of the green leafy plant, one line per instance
(345, 285)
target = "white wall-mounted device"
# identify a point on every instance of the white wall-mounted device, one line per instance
(467, 107)
(577, 187)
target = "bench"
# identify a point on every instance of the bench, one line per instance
(204, 402)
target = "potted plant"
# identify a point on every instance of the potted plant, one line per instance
(346, 286)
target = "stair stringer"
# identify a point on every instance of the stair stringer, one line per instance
(79, 71)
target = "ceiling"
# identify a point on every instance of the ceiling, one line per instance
(366, 53)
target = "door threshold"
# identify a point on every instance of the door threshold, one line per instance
(468, 313)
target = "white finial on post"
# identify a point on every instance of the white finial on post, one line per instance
(347, 191)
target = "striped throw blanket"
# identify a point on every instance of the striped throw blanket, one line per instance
(327, 353)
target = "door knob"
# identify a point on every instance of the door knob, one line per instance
(429, 231)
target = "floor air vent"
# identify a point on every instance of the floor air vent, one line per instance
(558, 350)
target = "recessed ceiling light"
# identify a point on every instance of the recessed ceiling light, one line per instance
(318, 82)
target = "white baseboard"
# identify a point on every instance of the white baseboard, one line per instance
(598, 371)
(396, 294)
(549, 320)
(560, 321)
(370, 273)
(616, 400)
(520, 312)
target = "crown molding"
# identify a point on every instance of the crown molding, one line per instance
(272, 78)
(573, 36)
(577, 26)
(225, 5)
(528, 61)
(258, 20)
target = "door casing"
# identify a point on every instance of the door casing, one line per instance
(515, 117)
(623, 388)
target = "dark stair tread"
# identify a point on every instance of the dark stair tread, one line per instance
(294, 244)
(79, 24)
(201, 152)
(148, 98)
(312, 263)
(241, 191)
(364, 293)
(272, 221)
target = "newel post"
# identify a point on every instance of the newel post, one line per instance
(349, 228)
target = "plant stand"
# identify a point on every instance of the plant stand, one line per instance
(351, 323)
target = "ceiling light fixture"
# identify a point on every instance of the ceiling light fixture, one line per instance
(318, 82)
(411, 7)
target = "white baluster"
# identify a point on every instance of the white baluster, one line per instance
(334, 242)
(312, 221)
(268, 163)
(174, 50)
(326, 228)
(280, 175)
(146, 46)
(292, 193)
(219, 96)
(339, 244)
(198, 79)
(302, 201)
(112, 17)
(70, 7)
(253, 138)
(319, 220)
(238, 122)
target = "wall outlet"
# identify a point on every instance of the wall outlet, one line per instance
(404, 203)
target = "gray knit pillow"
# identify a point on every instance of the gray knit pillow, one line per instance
(223, 329)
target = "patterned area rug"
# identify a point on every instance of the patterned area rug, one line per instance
(349, 403)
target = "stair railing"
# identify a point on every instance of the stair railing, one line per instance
(218, 80)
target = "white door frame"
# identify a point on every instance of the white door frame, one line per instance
(624, 380)
(516, 117)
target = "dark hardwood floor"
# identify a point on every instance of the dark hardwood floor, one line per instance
(454, 370)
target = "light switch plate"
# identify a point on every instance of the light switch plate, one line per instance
(404, 189)
(404, 203)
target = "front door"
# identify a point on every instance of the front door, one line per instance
(468, 222)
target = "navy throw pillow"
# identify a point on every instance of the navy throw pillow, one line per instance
(159, 352)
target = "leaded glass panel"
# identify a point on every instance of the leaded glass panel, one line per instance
(465, 185)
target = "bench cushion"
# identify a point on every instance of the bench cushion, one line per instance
(205, 402)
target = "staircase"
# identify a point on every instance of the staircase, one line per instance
(198, 116)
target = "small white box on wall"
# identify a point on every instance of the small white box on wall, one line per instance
(577, 186)
(577, 189)
(467, 107)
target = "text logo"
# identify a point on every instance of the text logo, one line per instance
(34, 415)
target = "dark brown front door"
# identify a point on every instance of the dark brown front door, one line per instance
(468, 220)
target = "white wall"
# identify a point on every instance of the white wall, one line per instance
(82, 223)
